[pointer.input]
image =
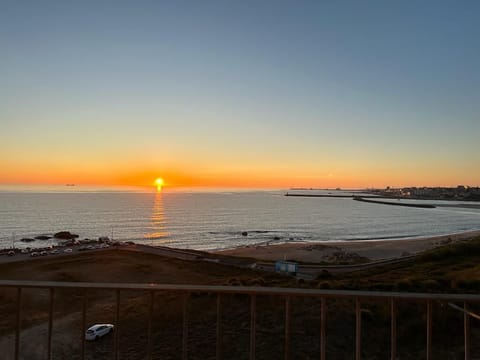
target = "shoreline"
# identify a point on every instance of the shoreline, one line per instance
(330, 251)
(322, 251)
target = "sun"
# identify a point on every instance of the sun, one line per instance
(159, 183)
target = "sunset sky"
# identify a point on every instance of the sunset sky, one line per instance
(260, 94)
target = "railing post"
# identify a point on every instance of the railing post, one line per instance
(117, 325)
(466, 331)
(219, 351)
(287, 327)
(150, 316)
(358, 329)
(185, 327)
(253, 311)
(323, 313)
(84, 324)
(18, 324)
(50, 324)
(429, 329)
(393, 329)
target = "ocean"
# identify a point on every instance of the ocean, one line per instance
(216, 220)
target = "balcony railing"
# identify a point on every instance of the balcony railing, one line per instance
(184, 292)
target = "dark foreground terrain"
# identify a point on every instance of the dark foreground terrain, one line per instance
(454, 268)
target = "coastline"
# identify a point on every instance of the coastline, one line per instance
(319, 251)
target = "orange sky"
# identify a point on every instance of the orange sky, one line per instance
(301, 97)
(256, 177)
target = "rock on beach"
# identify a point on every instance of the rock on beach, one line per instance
(65, 235)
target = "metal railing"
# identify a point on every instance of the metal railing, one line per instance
(184, 291)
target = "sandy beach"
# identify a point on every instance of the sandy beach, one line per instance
(321, 251)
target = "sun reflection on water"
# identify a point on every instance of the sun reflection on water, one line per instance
(158, 230)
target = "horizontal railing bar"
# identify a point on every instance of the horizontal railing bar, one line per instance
(238, 290)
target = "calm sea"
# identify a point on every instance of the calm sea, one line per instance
(209, 221)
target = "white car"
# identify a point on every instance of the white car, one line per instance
(67, 250)
(97, 331)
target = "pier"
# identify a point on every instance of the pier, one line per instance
(424, 206)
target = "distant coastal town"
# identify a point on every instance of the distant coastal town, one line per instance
(460, 193)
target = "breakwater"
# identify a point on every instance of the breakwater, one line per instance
(316, 195)
(337, 196)
(424, 206)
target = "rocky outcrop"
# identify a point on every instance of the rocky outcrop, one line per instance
(65, 235)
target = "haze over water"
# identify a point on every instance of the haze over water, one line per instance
(207, 221)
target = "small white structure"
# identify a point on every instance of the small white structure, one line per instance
(288, 267)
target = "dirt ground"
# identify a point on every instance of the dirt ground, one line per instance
(110, 266)
(167, 315)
